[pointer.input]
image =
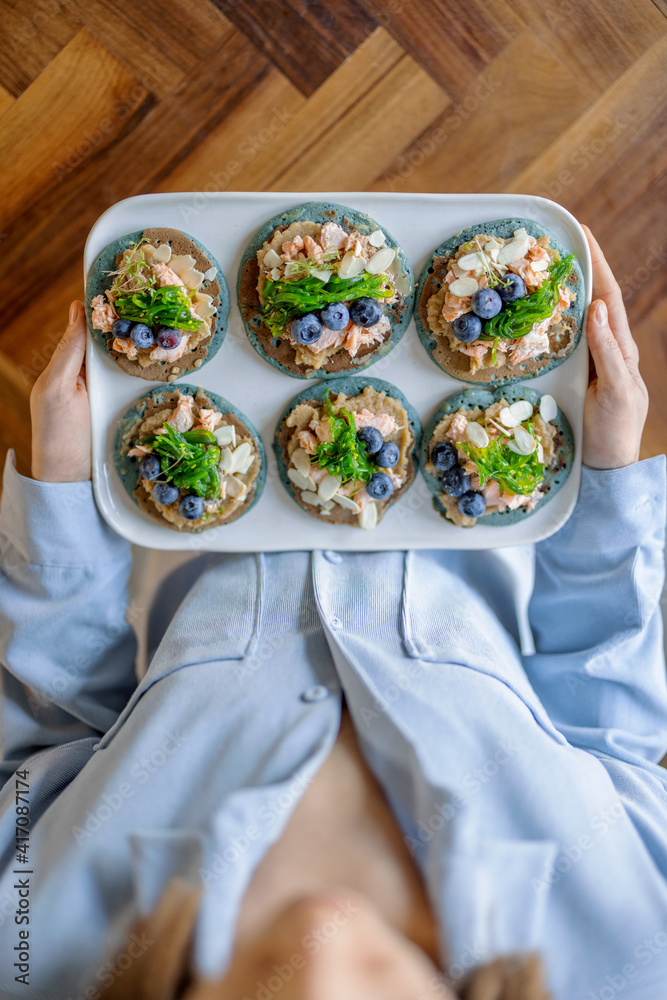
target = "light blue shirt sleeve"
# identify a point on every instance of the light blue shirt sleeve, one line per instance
(599, 666)
(67, 651)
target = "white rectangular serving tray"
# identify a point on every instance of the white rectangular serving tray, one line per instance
(225, 223)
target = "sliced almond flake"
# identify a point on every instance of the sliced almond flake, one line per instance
(498, 426)
(376, 239)
(272, 259)
(309, 497)
(520, 232)
(492, 244)
(548, 408)
(345, 502)
(380, 261)
(327, 507)
(472, 262)
(225, 462)
(225, 435)
(350, 266)
(458, 270)
(301, 482)
(322, 274)
(524, 442)
(539, 265)
(327, 487)
(476, 434)
(210, 274)
(162, 254)
(193, 278)
(275, 274)
(326, 513)
(514, 250)
(369, 516)
(301, 461)
(463, 287)
(540, 452)
(521, 410)
(292, 268)
(507, 418)
(204, 305)
(235, 487)
(182, 263)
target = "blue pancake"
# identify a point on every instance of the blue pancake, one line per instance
(282, 355)
(457, 365)
(470, 398)
(351, 387)
(182, 243)
(128, 468)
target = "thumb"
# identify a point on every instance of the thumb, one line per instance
(610, 366)
(71, 348)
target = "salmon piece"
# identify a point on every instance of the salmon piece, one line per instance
(182, 417)
(455, 306)
(162, 354)
(139, 449)
(208, 419)
(352, 242)
(457, 427)
(312, 249)
(104, 314)
(124, 347)
(476, 350)
(532, 278)
(332, 235)
(165, 276)
(491, 493)
(329, 338)
(290, 250)
(384, 422)
(362, 336)
(322, 429)
(510, 501)
(533, 344)
(317, 475)
(307, 441)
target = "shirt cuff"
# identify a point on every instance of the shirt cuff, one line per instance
(618, 508)
(55, 523)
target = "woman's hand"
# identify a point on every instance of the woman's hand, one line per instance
(59, 409)
(616, 401)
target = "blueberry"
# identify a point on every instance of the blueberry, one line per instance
(388, 455)
(456, 482)
(512, 288)
(380, 486)
(165, 493)
(371, 437)
(365, 312)
(467, 327)
(444, 456)
(486, 303)
(168, 338)
(306, 329)
(335, 316)
(472, 504)
(142, 335)
(122, 328)
(191, 506)
(149, 467)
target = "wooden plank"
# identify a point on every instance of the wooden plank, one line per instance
(577, 33)
(73, 110)
(352, 127)
(483, 140)
(6, 101)
(307, 41)
(161, 43)
(452, 41)
(238, 140)
(51, 234)
(653, 367)
(33, 33)
(617, 121)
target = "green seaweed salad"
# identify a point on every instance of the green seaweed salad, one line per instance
(514, 473)
(189, 460)
(137, 297)
(345, 455)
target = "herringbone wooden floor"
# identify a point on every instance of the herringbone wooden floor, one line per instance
(101, 100)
